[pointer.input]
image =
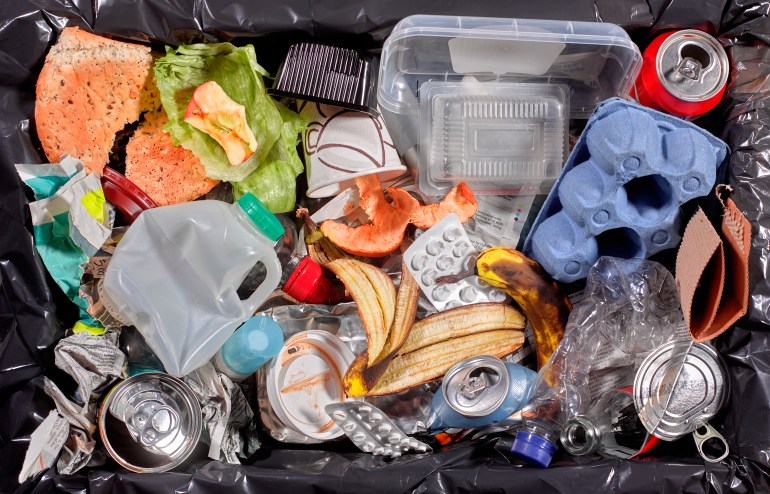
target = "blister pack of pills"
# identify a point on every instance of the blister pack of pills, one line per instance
(372, 431)
(442, 250)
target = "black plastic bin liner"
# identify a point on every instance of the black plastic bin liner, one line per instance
(34, 312)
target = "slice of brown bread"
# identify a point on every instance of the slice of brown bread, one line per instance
(89, 88)
(168, 174)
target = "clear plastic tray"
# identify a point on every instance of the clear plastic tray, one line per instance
(498, 138)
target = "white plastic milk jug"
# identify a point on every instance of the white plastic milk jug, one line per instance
(175, 274)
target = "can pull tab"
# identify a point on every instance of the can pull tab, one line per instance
(689, 68)
(155, 423)
(472, 386)
(703, 433)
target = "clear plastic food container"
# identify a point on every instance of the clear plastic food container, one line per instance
(595, 61)
(498, 138)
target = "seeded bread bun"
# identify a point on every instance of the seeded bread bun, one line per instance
(89, 89)
(168, 174)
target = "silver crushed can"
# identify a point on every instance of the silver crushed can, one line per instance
(477, 386)
(678, 388)
(480, 391)
(150, 422)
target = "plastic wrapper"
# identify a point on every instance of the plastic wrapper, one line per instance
(628, 309)
(34, 311)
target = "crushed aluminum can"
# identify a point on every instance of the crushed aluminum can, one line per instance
(150, 422)
(683, 73)
(480, 391)
(477, 386)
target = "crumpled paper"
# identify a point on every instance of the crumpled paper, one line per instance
(226, 413)
(92, 361)
(44, 445)
(79, 449)
(69, 432)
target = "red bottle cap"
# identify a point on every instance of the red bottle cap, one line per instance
(129, 199)
(308, 284)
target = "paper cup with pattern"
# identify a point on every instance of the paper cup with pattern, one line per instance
(341, 145)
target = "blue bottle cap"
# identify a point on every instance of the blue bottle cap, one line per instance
(254, 343)
(533, 449)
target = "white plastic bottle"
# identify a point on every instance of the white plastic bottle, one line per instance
(176, 272)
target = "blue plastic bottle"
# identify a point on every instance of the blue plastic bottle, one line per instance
(254, 343)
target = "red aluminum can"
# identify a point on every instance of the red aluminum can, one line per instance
(684, 73)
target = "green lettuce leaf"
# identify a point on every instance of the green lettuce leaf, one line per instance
(236, 70)
(275, 182)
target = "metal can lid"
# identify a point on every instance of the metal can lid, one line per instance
(476, 386)
(304, 377)
(692, 65)
(162, 416)
(679, 387)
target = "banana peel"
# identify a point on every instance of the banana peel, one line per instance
(433, 361)
(367, 301)
(462, 321)
(386, 294)
(361, 377)
(406, 310)
(544, 304)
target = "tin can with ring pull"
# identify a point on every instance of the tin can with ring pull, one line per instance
(150, 422)
(678, 388)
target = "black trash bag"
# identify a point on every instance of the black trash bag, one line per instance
(34, 312)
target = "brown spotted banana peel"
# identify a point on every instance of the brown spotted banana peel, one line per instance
(541, 300)
(433, 361)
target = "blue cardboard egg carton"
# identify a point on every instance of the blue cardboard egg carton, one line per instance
(622, 188)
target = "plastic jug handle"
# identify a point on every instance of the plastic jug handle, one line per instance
(272, 278)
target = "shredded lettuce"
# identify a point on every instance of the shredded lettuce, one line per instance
(236, 70)
(271, 173)
(275, 182)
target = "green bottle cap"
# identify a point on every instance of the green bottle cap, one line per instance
(261, 216)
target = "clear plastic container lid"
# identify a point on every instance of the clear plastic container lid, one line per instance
(596, 60)
(498, 138)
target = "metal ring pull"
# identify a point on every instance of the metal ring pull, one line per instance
(156, 424)
(711, 433)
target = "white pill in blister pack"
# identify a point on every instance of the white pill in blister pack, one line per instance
(442, 250)
(372, 431)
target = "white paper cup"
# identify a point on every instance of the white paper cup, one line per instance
(341, 145)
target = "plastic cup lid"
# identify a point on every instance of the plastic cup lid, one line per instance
(304, 377)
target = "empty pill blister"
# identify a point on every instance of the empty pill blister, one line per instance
(372, 431)
(445, 249)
